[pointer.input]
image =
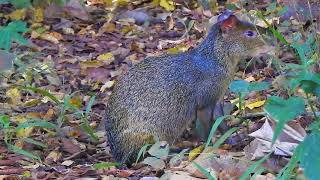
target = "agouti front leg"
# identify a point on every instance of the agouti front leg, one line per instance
(218, 112)
(207, 117)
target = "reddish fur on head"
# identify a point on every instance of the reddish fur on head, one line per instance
(229, 23)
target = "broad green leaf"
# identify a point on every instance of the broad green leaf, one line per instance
(283, 110)
(239, 86)
(12, 32)
(104, 165)
(253, 167)
(19, 4)
(258, 86)
(309, 81)
(309, 86)
(4, 1)
(310, 155)
(60, 3)
(224, 137)
(5, 121)
(306, 50)
(242, 86)
(159, 151)
(214, 128)
(203, 171)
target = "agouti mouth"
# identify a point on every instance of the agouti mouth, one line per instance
(265, 49)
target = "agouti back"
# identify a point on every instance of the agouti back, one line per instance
(160, 96)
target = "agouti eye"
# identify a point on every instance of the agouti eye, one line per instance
(250, 33)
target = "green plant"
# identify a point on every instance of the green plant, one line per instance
(66, 106)
(10, 132)
(19, 4)
(242, 88)
(282, 110)
(12, 32)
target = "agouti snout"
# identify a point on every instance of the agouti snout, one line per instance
(160, 96)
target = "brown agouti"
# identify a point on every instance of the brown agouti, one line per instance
(160, 96)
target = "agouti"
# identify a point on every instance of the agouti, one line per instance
(160, 96)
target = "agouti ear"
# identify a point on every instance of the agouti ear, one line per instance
(229, 23)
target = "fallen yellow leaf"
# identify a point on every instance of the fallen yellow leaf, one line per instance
(14, 95)
(255, 104)
(107, 58)
(195, 152)
(19, 14)
(91, 64)
(38, 14)
(167, 5)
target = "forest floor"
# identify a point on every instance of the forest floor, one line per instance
(65, 73)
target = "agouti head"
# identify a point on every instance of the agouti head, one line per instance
(242, 37)
(233, 40)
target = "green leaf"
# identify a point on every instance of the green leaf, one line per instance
(276, 33)
(258, 86)
(159, 151)
(90, 103)
(31, 141)
(224, 137)
(259, 171)
(4, 1)
(203, 171)
(272, 7)
(19, 4)
(306, 50)
(239, 86)
(308, 81)
(309, 86)
(214, 128)
(309, 156)
(42, 124)
(104, 165)
(253, 167)
(60, 3)
(142, 151)
(5, 121)
(18, 150)
(88, 129)
(242, 86)
(12, 32)
(286, 172)
(283, 111)
(42, 92)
